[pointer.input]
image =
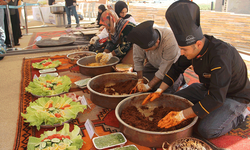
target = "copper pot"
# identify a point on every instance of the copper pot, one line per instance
(73, 57)
(152, 138)
(96, 70)
(105, 100)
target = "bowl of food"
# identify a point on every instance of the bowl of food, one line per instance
(188, 143)
(139, 122)
(74, 57)
(110, 140)
(121, 67)
(89, 67)
(107, 90)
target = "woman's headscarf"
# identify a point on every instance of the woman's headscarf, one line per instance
(116, 25)
(119, 6)
(101, 7)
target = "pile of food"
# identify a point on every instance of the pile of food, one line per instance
(95, 64)
(189, 143)
(45, 64)
(51, 111)
(61, 140)
(119, 88)
(133, 117)
(49, 85)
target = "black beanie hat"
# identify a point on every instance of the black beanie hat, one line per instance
(144, 35)
(184, 19)
(119, 6)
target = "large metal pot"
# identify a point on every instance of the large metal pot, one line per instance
(57, 9)
(105, 100)
(73, 57)
(151, 138)
(95, 70)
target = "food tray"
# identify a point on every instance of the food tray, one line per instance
(55, 74)
(47, 70)
(128, 147)
(82, 83)
(110, 140)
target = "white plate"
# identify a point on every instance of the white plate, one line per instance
(82, 83)
(55, 74)
(47, 70)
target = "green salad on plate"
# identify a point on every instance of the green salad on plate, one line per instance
(49, 85)
(52, 110)
(61, 140)
(46, 63)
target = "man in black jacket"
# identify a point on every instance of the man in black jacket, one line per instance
(70, 5)
(223, 94)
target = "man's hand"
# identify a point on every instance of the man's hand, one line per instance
(171, 119)
(151, 97)
(106, 57)
(93, 40)
(74, 4)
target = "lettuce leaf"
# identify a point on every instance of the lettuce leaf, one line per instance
(49, 85)
(41, 64)
(44, 111)
(77, 141)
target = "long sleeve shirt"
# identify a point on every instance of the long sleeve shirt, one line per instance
(121, 48)
(221, 69)
(69, 2)
(162, 57)
(105, 33)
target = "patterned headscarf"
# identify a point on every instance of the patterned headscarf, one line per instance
(110, 19)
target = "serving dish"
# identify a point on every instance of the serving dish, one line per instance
(49, 85)
(96, 70)
(110, 140)
(54, 74)
(46, 64)
(144, 137)
(60, 140)
(82, 83)
(188, 143)
(52, 112)
(106, 100)
(47, 70)
(73, 57)
(121, 67)
(127, 147)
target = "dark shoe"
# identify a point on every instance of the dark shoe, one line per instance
(78, 25)
(68, 26)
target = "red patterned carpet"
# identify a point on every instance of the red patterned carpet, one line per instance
(104, 119)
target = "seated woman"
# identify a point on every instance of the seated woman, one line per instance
(121, 10)
(118, 30)
(101, 9)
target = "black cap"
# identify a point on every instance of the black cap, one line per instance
(144, 35)
(184, 19)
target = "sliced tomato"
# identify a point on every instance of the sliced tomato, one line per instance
(58, 115)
